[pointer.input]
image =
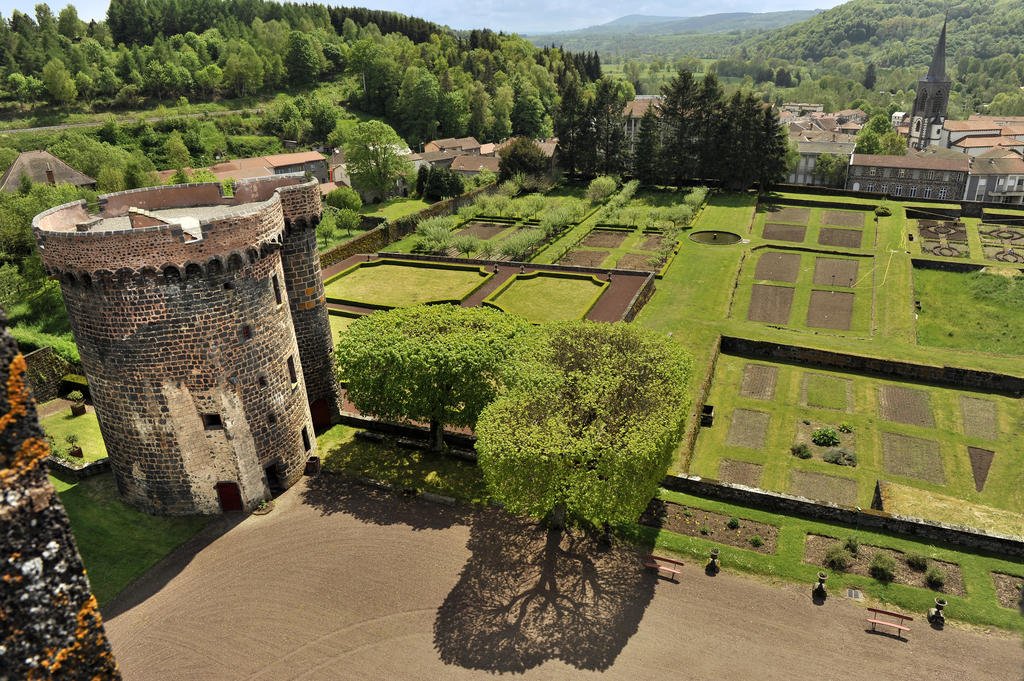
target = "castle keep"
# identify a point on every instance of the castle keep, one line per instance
(202, 326)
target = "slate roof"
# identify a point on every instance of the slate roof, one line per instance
(34, 165)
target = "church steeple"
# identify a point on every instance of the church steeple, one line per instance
(937, 70)
(928, 116)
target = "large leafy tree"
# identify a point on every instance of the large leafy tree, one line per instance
(440, 364)
(588, 425)
(372, 153)
(522, 155)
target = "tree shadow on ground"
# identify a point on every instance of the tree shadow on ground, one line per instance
(528, 595)
(330, 494)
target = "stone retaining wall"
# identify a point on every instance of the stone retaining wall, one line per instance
(953, 377)
(776, 502)
(46, 371)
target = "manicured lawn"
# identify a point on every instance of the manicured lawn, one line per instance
(393, 284)
(117, 542)
(392, 209)
(978, 606)
(912, 434)
(976, 311)
(343, 453)
(547, 298)
(86, 427)
(339, 323)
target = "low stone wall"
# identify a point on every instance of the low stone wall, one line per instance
(46, 371)
(370, 242)
(932, 213)
(458, 440)
(639, 300)
(945, 265)
(838, 203)
(953, 377)
(776, 502)
(64, 471)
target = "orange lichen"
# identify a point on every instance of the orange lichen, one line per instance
(88, 634)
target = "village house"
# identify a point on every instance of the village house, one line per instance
(471, 165)
(997, 176)
(940, 175)
(42, 167)
(261, 166)
(464, 145)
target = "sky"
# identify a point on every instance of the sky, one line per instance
(521, 16)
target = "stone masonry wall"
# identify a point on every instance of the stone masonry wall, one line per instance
(307, 302)
(46, 370)
(50, 625)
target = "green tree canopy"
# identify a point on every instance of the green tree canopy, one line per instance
(440, 364)
(588, 424)
(344, 197)
(372, 154)
(522, 155)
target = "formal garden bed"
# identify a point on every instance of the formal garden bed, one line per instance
(390, 283)
(1009, 590)
(696, 522)
(894, 566)
(548, 296)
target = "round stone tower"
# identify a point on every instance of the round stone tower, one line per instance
(178, 300)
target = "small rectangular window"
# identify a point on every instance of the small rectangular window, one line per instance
(277, 289)
(305, 438)
(291, 371)
(212, 421)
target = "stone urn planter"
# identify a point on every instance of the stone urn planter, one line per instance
(935, 615)
(73, 448)
(77, 400)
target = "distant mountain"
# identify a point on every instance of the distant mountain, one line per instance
(669, 35)
(899, 33)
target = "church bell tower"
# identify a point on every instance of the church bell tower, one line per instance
(929, 112)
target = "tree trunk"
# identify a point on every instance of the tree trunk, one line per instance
(436, 436)
(555, 519)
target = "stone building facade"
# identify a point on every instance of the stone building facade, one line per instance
(203, 330)
(50, 626)
(941, 176)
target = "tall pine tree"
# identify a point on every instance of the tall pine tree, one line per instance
(647, 149)
(680, 157)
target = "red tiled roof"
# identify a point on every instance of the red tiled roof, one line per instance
(639, 106)
(281, 160)
(474, 163)
(970, 126)
(977, 142)
(919, 161)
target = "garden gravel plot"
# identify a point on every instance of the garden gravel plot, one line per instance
(843, 218)
(604, 239)
(777, 232)
(844, 238)
(770, 304)
(821, 487)
(1004, 254)
(483, 230)
(759, 381)
(775, 266)
(639, 262)
(943, 250)
(830, 310)
(740, 472)
(835, 272)
(826, 392)
(748, 428)
(948, 230)
(583, 258)
(912, 457)
(905, 405)
(668, 515)
(798, 216)
(847, 441)
(981, 462)
(981, 418)
(653, 243)
(1009, 590)
(816, 547)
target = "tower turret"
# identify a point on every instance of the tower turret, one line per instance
(929, 112)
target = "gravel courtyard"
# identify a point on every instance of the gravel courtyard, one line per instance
(345, 582)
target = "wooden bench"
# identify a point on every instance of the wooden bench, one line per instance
(898, 626)
(660, 564)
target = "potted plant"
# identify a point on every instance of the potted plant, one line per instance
(77, 400)
(73, 448)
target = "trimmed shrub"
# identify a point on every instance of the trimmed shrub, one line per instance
(800, 451)
(852, 544)
(76, 396)
(840, 457)
(825, 437)
(705, 530)
(845, 427)
(883, 211)
(837, 558)
(915, 561)
(600, 188)
(734, 523)
(883, 567)
(935, 577)
(756, 541)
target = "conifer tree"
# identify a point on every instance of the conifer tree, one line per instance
(647, 149)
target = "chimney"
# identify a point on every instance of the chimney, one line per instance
(49, 174)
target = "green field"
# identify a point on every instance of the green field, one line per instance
(976, 311)
(392, 209)
(395, 284)
(911, 434)
(546, 297)
(339, 324)
(117, 542)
